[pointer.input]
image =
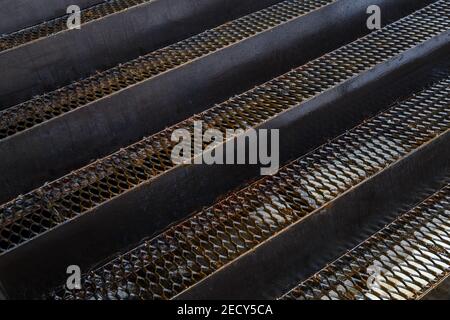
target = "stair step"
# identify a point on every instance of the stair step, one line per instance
(121, 199)
(47, 56)
(20, 14)
(224, 250)
(404, 260)
(83, 122)
(96, 116)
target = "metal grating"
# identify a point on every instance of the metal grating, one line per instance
(188, 252)
(75, 95)
(47, 28)
(55, 203)
(402, 261)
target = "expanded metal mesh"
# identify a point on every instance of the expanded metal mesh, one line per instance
(73, 96)
(30, 215)
(190, 251)
(402, 261)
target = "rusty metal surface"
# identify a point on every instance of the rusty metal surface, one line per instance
(183, 255)
(61, 58)
(59, 24)
(98, 86)
(402, 261)
(125, 116)
(55, 203)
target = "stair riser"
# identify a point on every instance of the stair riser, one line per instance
(440, 292)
